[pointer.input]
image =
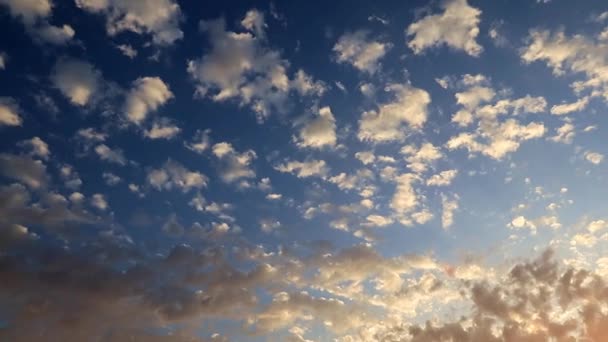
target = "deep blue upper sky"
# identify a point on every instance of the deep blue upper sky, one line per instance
(302, 171)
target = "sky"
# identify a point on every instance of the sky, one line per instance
(302, 171)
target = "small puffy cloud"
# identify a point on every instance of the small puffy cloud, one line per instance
(269, 225)
(3, 60)
(387, 123)
(366, 157)
(107, 154)
(174, 175)
(35, 16)
(36, 147)
(110, 178)
(127, 50)
(443, 178)
(200, 142)
(405, 199)
(9, 112)
(162, 130)
(99, 201)
(241, 66)
(320, 131)
(305, 169)
(564, 134)
(449, 206)
(594, 157)
(457, 27)
(24, 169)
(567, 108)
(91, 135)
(419, 159)
(158, 18)
(378, 220)
(146, 95)
(274, 197)
(597, 225)
(361, 52)
(77, 80)
(235, 165)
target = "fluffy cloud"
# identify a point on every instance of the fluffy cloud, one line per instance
(99, 201)
(200, 142)
(565, 133)
(158, 18)
(567, 108)
(443, 178)
(9, 112)
(107, 154)
(162, 130)
(24, 169)
(174, 175)
(36, 147)
(419, 159)
(77, 80)
(457, 27)
(35, 16)
(387, 122)
(235, 165)
(360, 51)
(594, 157)
(240, 66)
(449, 206)
(146, 95)
(305, 169)
(319, 131)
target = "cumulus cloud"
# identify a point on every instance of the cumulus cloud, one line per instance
(99, 201)
(594, 157)
(457, 27)
(200, 142)
(36, 147)
(9, 112)
(566, 108)
(387, 123)
(163, 129)
(145, 96)
(564, 134)
(24, 169)
(234, 165)
(449, 206)
(304, 169)
(158, 18)
(443, 178)
(320, 131)
(361, 52)
(173, 175)
(77, 80)
(420, 158)
(35, 17)
(241, 66)
(110, 155)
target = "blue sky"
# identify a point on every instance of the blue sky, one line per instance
(341, 171)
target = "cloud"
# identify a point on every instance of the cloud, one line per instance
(565, 133)
(305, 169)
(457, 27)
(9, 112)
(99, 201)
(594, 157)
(127, 50)
(387, 122)
(174, 175)
(37, 147)
(107, 154)
(162, 130)
(241, 66)
(35, 17)
(158, 18)
(110, 178)
(3, 60)
(443, 178)
(568, 108)
(24, 169)
(359, 51)
(146, 95)
(320, 131)
(235, 165)
(200, 141)
(419, 159)
(77, 80)
(449, 206)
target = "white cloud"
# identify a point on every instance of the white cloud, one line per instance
(419, 159)
(387, 123)
(240, 66)
(174, 175)
(567, 108)
(9, 112)
(35, 15)
(269, 225)
(159, 18)
(405, 199)
(99, 201)
(366, 157)
(319, 131)
(565, 133)
(457, 27)
(77, 80)
(360, 51)
(24, 169)
(378, 220)
(3, 60)
(305, 169)
(443, 178)
(274, 197)
(162, 130)
(37, 147)
(449, 207)
(90, 134)
(110, 155)
(127, 50)
(146, 95)
(594, 157)
(110, 178)
(235, 165)
(200, 142)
